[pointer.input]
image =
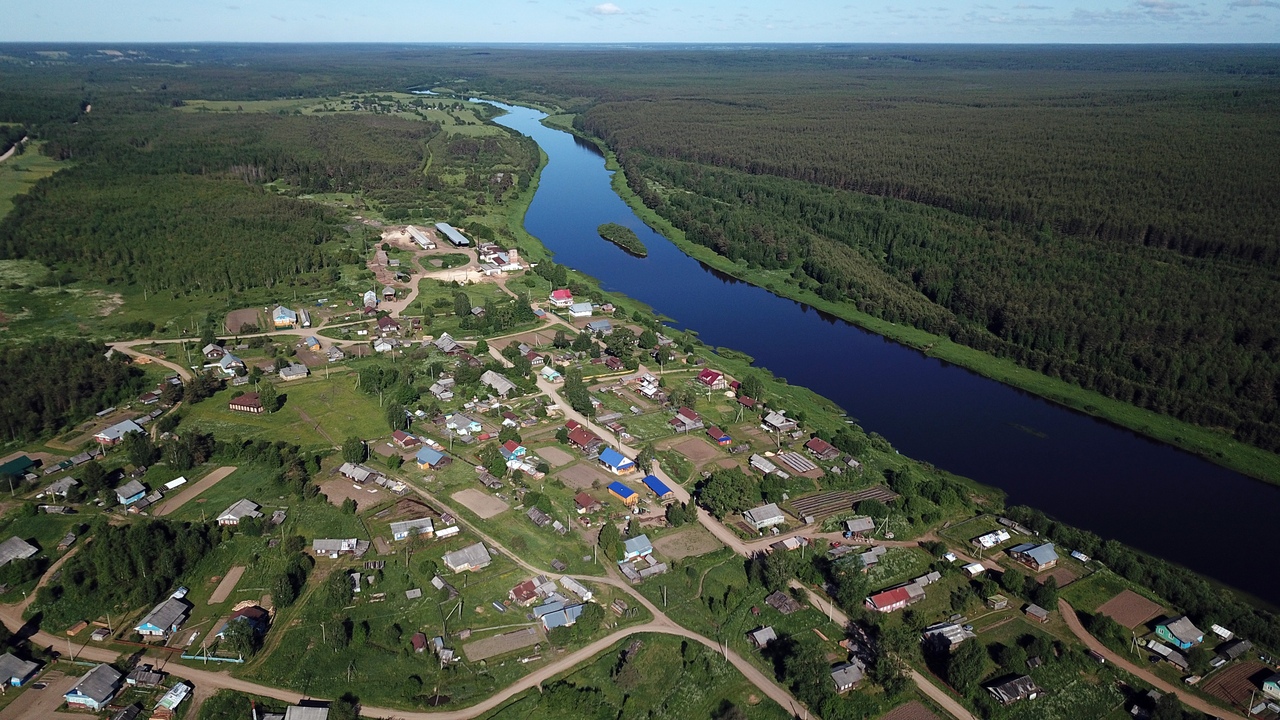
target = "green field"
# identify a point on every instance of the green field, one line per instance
(316, 413)
(457, 121)
(20, 172)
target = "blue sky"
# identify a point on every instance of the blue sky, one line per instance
(622, 21)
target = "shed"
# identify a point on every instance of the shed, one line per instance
(1035, 612)
(585, 503)
(658, 487)
(762, 636)
(472, 557)
(628, 496)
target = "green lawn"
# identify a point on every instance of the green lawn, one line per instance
(20, 172)
(313, 409)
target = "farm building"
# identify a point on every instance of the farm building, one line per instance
(628, 496)
(95, 689)
(761, 463)
(822, 449)
(1036, 557)
(238, 511)
(1180, 632)
(1037, 613)
(764, 516)
(164, 618)
(15, 548)
(860, 524)
(116, 433)
(420, 238)
(657, 487)
(576, 588)
(15, 671)
(472, 557)
(452, 235)
(247, 403)
(615, 462)
(763, 636)
(293, 371)
(408, 528)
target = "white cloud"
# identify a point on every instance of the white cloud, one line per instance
(1254, 4)
(607, 9)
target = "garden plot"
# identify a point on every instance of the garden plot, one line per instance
(486, 506)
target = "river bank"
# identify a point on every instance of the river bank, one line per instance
(1206, 443)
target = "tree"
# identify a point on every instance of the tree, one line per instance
(1014, 582)
(395, 462)
(337, 590)
(777, 570)
(560, 340)
(482, 347)
(646, 458)
(752, 386)
(461, 304)
(1046, 594)
(269, 396)
(349, 506)
(354, 450)
(610, 541)
(241, 638)
(874, 508)
(647, 340)
(966, 666)
(582, 342)
(727, 491)
(139, 449)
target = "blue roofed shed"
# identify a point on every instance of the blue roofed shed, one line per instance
(658, 487)
(624, 493)
(429, 458)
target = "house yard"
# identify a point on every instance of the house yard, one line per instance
(696, 449)
(1064, 576)
(554, 456)
(486, 506)
(237, 319)
(687, 543)
(581, 477)
(341, 488)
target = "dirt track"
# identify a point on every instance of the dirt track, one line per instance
(182, 498)
(228, 584)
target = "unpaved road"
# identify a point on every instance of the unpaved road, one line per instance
(182, 498)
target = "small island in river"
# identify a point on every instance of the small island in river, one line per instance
(624, 238)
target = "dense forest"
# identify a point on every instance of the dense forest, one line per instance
(54, 383)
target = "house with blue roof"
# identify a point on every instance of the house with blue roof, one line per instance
(557, 614)
(601, 326)
(429, 458)
(615, 462)
(658, 487)
(1036, 557)
(635, 547)
(229, 364)
(628, 496)
(283, 317)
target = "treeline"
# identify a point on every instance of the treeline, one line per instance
(53, 383)
(1205, 603)
(150, 555)
(1181, 166)
(1189, 338)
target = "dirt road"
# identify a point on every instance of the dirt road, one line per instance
(182, 498)
(1193, 701)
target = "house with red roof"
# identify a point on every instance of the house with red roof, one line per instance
(561, 298)
(524, 594)
(718, 436)
(895, 599)
(584, 439)
(822, 449)
(713, 379)
(404, 439)
(585, 503)
(686, 420)
(512, 450)
(388, 326)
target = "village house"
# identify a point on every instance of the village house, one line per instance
(230, 365)
(822, 449)
(524, 594)
(713, 379)
(470, 558)
(625, 494)
(164, 618)
(615, 462)
(388, 325)
(238, 511)
(686, 420)
(584, 439)
(388, 293)
(859, 525)
(131, 492)
(283, 317)
(15, 548)
(404, 440)
(562, 298)
(442, 389)
(1014, 689)
(1271, 687)
(213, 351)
(333, 547)
(1180, 632)
(762, 636)
(114, 434)
(1036, 557)
(462, 425)
(358, 473)
(557, 614)
(719, 436)
(600, 327)
(501, 385)
(551, 375)
(585, 503)
(636, 547)
(539, 518)
(430, 458)
(764, 516)
(846, 676)
(95, 689)
(335, 354)
(895, 598)
(777, 422)
(512, 450)
(580, 310)
(576, 588)
(947, 635)
(247, 403)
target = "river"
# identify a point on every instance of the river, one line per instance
(1081, 470)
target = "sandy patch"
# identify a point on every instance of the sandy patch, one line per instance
(1130, 609)
(1063, 576)
(696, 449)
(223, 591)
(486, 506)
(107, 302)
(687, 543)
(581, 477)
(554, 456)
(342, 488)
